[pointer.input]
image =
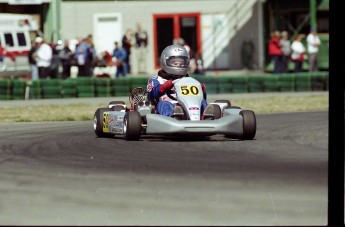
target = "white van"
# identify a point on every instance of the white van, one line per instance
(16, 33)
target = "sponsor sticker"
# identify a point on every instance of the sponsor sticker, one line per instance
(110, 119)
(105, 122)
(150, 86)
(119, 124)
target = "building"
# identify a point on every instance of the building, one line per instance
(222, 31)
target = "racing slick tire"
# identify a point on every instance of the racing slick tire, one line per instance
(117, 105)
(117, 108)
(117, 102)
(132, 125)
(233, 107)
(249, 124)
(98, 123)
(217, 111)
(223, 101)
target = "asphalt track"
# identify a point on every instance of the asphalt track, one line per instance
(60, 173)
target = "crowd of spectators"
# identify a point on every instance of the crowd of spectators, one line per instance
(60, 61)
(282, 50)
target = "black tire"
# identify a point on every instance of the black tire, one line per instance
(98, 123)
(117, 105)
(217, 111)
(249, 125)
(132, 125)
(233, 107)
(117, 108)
(223, 101)
(117, 102)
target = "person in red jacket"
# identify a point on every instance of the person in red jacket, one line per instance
(275, 52)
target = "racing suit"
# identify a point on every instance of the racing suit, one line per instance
(157, 89)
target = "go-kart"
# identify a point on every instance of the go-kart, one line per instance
(141, 117)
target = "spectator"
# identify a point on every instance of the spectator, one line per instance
(127, 41)
(182, 42)
(192, 65)
(275, 52)
(55, 62)
(199, 64)
(32, 60)
(66, 56)
(119, 57)
(44, 56)
(298, 52)
(141, 41)
(286, 49)
(83, 59)
(313, 42)
(105, 67)
(92, 57)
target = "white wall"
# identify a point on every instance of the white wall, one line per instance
(77, 19)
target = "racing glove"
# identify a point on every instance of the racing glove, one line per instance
(203, 87)
(166, 86)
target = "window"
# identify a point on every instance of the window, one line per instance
(9, 40)
(21, 39)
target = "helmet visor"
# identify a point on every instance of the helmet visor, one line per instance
(177, 61)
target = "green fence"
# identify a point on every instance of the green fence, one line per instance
(105, 87)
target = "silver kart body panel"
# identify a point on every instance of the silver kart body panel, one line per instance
(114, 124)
(189, 95)
(231, 125)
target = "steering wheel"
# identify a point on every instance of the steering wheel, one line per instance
(169, 94)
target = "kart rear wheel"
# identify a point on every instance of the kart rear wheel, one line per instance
(98, 123)
(117, 108)
(249, 124)
(223, 101)
(117, 103)
(233, 107)
(132, 125)
(217, 111)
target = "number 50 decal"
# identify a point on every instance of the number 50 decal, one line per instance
(189, 90)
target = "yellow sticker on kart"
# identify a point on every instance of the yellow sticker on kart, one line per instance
(105, 122)
(189, 90)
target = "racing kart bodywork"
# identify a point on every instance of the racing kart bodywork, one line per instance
(141, 117)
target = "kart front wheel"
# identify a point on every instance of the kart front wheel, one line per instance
(117, 103)
(217, 111)
(98, 122)
(249, 124)
(132, 125)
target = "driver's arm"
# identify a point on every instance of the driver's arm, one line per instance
(163, 88)
(155, 90)
(203, 87)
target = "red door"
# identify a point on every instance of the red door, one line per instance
(169, 27)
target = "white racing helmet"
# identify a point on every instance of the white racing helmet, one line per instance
(175, 60)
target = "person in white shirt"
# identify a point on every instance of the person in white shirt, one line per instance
(44, 56)
(298, 52)
(313, 42)
(286, 49)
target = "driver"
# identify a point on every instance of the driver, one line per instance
(175, 63)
